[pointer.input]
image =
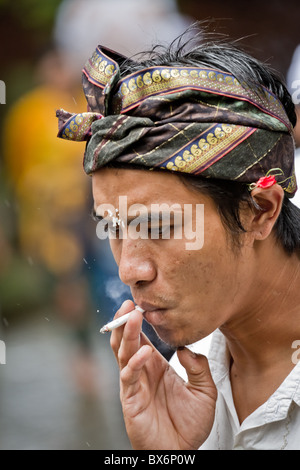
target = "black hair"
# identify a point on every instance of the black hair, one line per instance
(229, 198)
(209, 49)
(197, 46)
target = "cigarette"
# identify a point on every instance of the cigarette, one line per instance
(119, 321)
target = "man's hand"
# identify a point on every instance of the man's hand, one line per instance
(161, 411)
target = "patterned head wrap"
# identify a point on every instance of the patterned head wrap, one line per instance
(195, 120)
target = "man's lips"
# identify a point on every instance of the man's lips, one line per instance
(153, 314)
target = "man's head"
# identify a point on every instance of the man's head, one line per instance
(210, 124)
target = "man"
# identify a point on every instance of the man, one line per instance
(214, 127)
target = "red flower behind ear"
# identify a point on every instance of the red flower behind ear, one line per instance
(266, 182)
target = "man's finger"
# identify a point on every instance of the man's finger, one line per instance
(198, 372)
(117, 334)
(130, 374)
(130, 342)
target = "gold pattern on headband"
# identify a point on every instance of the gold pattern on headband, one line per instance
(203, 151)
(159, 80)
(76, 126)
(292, 184)
(134, 88)
(100, 68)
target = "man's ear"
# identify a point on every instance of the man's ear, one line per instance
(264, 218)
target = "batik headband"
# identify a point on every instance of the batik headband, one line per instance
(196, 120)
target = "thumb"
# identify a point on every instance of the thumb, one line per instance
(198, 372)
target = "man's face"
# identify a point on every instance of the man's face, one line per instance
(186, 293)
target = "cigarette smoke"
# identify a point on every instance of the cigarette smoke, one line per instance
(116, 290)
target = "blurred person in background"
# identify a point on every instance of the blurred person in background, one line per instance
(52, 197)
(127, 26)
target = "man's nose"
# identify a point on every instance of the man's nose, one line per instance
(135, 263)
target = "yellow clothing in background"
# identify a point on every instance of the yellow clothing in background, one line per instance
(47, 177)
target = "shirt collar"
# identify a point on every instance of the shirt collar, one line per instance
(277, 406)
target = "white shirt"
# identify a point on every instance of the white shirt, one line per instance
(275, 425)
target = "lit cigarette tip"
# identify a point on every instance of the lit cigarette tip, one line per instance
(103, 330)
(119, 321)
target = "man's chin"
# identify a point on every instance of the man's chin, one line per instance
(176, 338)
(172, 338)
